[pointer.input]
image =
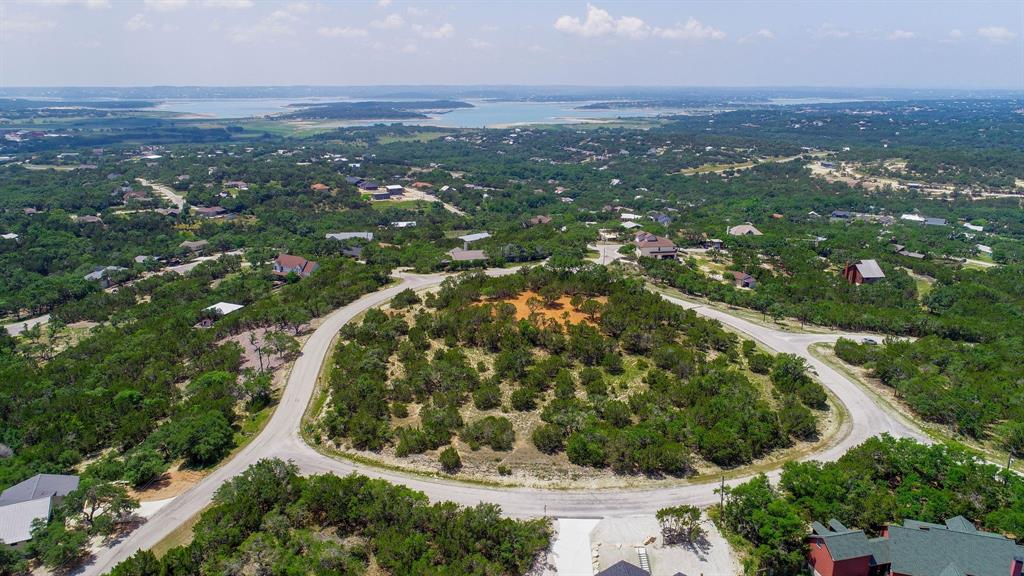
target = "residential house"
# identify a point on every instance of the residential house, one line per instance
(368, 236)
(631, 225)
(745, 229)
(194, 246)
(652, 246)
(31, 500)
(368, 185)
(320, 187)
(934, 221)
(223, 308)
(464, 255)
(912, 218)
(208, 211)
(712, 244)
(970, 226)
(840, 215)
(538, 220)
(629, 216)
(101, 274)
(135, 196)
(285, 264)
(422, 185)
(955, 548)
(354, 180)
(662, 219)
(380, 195)
(743, 280)
(395, 190)
(470, 238)
(9, 236)
(863, 272)
(984, 249)
(404, 224)
(89, 220)
(236, 184)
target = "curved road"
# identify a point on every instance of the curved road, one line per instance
(280, 439)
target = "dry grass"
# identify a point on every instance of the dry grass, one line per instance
(173, 482)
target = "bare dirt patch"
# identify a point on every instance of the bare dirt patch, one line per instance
(561, 311)
(173, 482)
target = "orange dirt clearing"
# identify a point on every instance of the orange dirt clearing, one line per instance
(555, 313)
(172, 483)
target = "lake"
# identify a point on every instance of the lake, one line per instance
(484, 113)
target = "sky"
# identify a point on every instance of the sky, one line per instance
(923, 44)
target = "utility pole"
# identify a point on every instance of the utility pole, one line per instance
(721, 493)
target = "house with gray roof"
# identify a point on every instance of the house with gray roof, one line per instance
(913, 549)
(863, 272)
(31, 500)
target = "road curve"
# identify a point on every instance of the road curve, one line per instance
(281, 439)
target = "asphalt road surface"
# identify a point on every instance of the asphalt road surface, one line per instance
(280, 439)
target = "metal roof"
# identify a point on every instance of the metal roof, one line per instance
(39, 486)
(475, 237)
(349, 235)
(16, 519)
(224, 308)
(870, 269)
(623, 568)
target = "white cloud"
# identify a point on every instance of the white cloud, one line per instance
(692, 30)
(600, 22)
(956, 34)
(383, 3)
(390, 22)
(901, 35)
(996, 34)
(278, 23)
(137, 23)
(228, 3)
(165, 5)
(410, 48)
(446, 30)
(831, 32)
(762, 34)
(479, 44)
(91, 4)
(341, 32)
(16, 26)
(414, 11)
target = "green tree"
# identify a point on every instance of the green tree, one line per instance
(450, 460)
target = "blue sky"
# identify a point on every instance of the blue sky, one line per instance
(754, 43)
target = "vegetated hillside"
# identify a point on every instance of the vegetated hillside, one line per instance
(370, 110)
(271, 520)
(882, 481)
(145, 382)
(619, 378)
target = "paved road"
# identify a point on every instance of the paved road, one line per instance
(16, 328)
(280, 439)
(165, 191)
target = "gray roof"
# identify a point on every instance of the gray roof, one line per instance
(475, 237)
(460, 255)
(39, 486)
(920, 549)
(16, 519)
(870, 269)
(349, 235)
(935, 221)
(623, 568)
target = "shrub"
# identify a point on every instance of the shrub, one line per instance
(143, 466)
(759, 363)
(548, 438)
(487, 397)
(524, 399)
(493, 431)
(404, 299)
(450, 461)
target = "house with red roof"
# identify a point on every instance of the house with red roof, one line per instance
(285, 264)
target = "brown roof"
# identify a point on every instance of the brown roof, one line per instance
(319, 187)
(289, 261)
(422, 185)
(540, 220)
(648, 240)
